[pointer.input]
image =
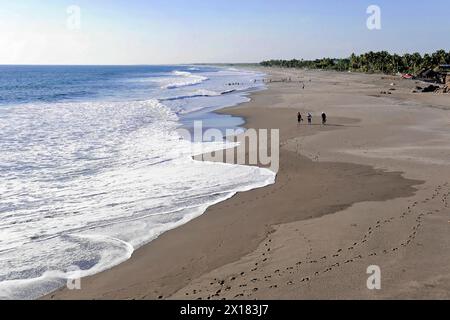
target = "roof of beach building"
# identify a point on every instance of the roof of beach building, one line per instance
(444, 67)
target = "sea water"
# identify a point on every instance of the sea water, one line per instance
(92, 167)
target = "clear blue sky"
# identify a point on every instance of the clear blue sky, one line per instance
(188, 31)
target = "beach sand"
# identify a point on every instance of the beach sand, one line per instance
(370, 188)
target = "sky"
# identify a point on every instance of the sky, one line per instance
(213, 31)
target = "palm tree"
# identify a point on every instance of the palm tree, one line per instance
(371, 61)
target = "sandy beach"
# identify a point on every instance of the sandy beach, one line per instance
(370, 188)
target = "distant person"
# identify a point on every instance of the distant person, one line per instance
(303, 85)
(309, 118)
(324, 118)
(299, 117)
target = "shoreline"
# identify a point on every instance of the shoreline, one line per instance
(233, 240)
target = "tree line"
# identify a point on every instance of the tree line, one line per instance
(371, 62)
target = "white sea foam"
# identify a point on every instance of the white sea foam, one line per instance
(184, 79)
(87, 183)
(195, 94)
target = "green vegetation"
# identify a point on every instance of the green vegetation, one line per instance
(371, 62)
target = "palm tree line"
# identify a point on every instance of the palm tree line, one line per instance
(371, 62)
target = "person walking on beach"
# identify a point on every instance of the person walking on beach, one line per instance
(324, 118)
(309, 118)
(299, 118)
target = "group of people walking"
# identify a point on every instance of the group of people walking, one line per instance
(310, 118)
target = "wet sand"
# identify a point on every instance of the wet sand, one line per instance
(370, 188)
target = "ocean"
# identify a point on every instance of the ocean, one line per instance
(92, 166)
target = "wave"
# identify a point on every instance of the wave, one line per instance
(198, 94)
(185, 79)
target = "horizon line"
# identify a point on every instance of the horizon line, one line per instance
(124, 65)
